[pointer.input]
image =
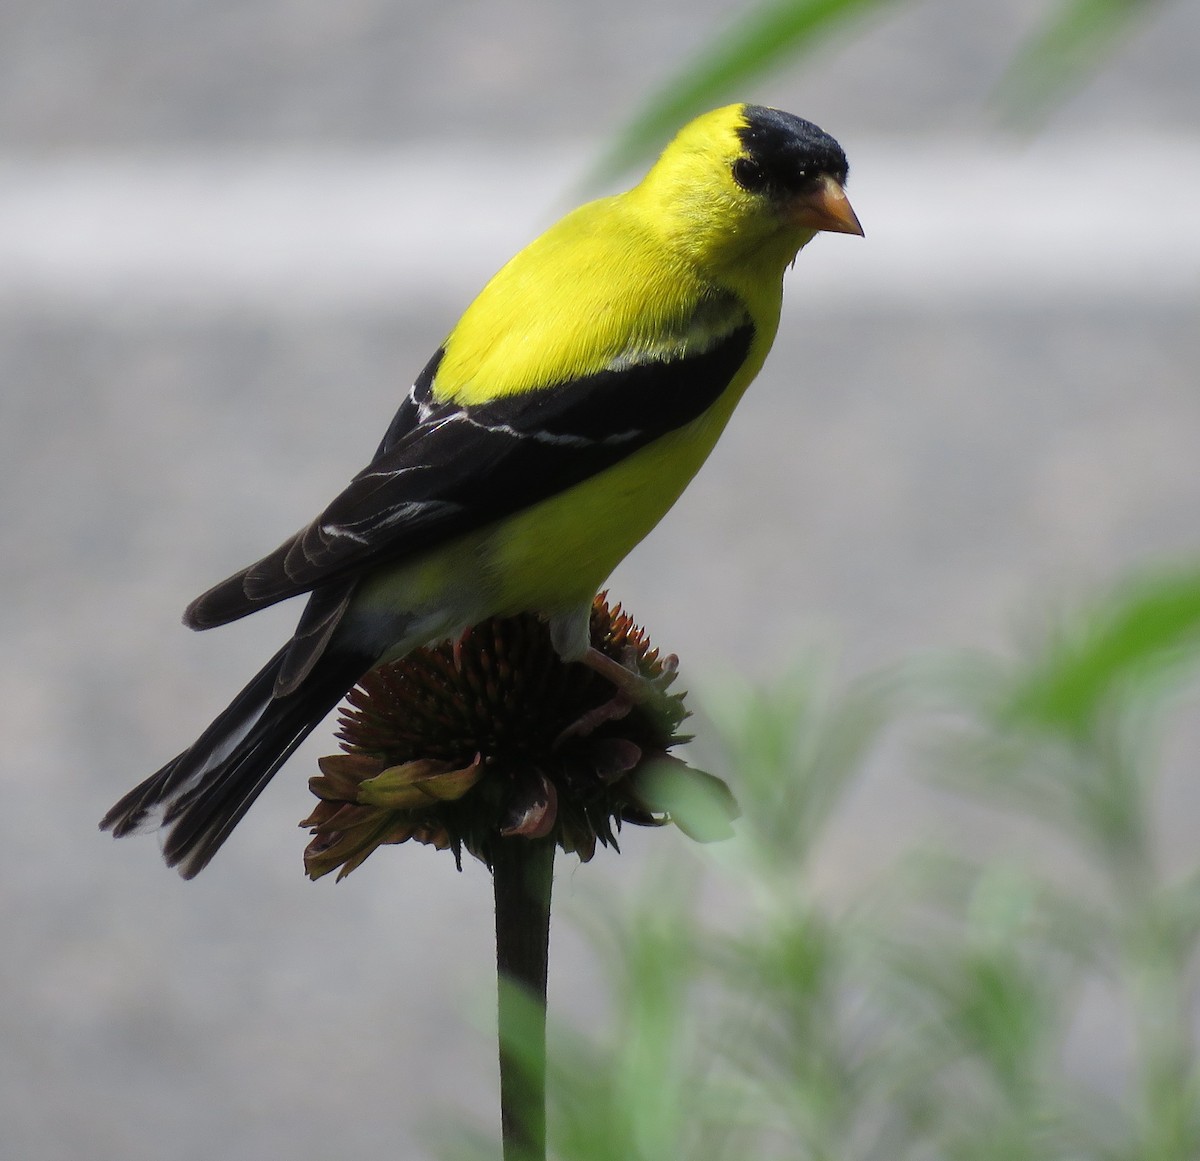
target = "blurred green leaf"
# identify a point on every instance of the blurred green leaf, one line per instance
(703, 807)
(1125, 644)
(1180, 904)
(765, 36)
(1066, 735)
(1070, 45)
(795, 750)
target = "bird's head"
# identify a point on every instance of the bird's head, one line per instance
(745, 184)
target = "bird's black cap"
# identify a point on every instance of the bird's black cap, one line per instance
(785, 153)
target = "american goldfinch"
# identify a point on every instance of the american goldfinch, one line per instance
(558, 422)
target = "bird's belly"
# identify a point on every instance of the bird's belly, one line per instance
(551, 558)
(559, 553)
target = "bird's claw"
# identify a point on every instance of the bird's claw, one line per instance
(613, 710)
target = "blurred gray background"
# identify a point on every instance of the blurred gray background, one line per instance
(230, 234)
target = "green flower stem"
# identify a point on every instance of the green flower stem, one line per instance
(522, 872)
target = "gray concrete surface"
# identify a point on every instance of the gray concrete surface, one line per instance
(941, 446)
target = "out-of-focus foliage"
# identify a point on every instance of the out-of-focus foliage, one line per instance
(1062, 50)
(768, 36)
(929, 1017)
(1070, 44)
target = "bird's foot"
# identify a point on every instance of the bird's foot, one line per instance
(632, 689)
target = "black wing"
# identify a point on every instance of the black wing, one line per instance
(443, 470)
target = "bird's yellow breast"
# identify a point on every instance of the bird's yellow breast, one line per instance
(558, 553)
(555, 555)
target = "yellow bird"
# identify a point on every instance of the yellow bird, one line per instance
(552, 430)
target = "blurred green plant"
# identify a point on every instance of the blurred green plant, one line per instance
(765, 37)
(1072, 40)
(1070, 44)
(937, 1014)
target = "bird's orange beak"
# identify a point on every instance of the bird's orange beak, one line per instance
(826, 208)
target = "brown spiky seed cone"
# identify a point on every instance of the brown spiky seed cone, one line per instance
(494, 736)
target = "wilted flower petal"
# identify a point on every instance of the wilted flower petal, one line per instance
(416, 784)
(532, 812)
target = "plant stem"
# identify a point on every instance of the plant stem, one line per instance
(522, 872)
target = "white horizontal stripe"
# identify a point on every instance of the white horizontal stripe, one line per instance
(341, 532)
(1082, 219)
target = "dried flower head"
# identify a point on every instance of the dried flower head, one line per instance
(495, 735)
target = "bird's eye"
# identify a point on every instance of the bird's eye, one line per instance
(749, 174)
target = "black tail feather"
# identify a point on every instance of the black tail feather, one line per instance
(201, 795)
(139, 810)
